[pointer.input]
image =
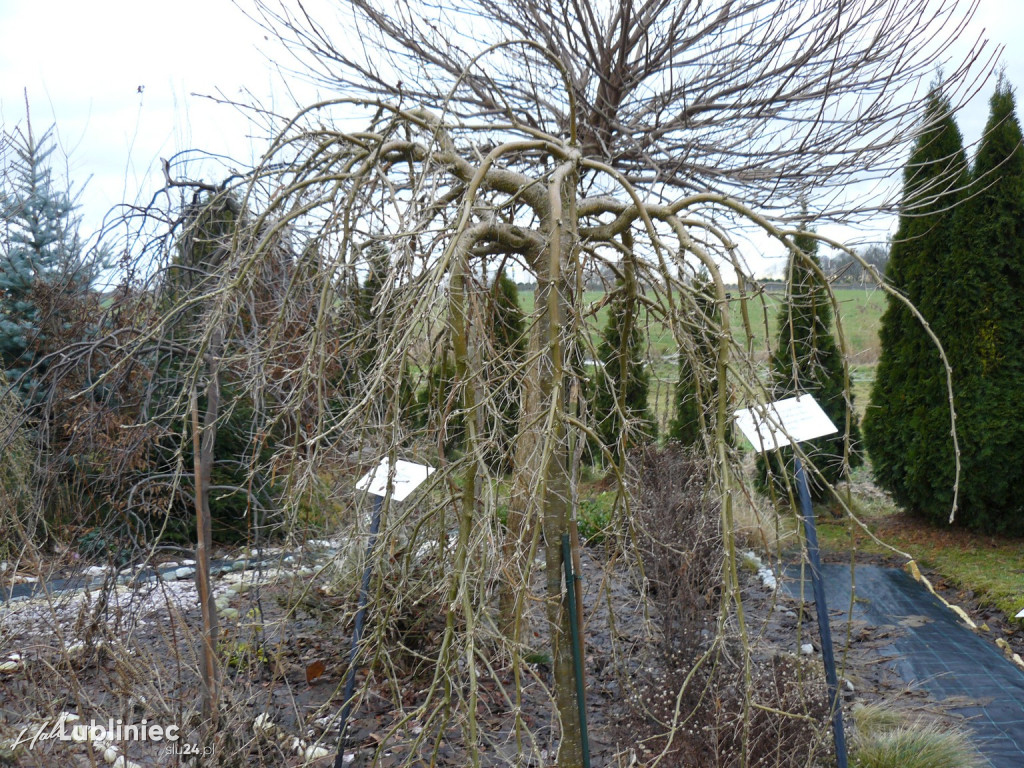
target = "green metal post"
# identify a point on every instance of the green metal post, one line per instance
(577, 647)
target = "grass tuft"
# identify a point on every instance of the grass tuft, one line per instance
(884, 739)
(872, 718)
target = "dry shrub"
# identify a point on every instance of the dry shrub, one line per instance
(408, 600)
(682, 546)
(706, 699)
(410, 620)
(18, 502)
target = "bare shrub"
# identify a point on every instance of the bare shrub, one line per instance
(703, 701)
(682, 541)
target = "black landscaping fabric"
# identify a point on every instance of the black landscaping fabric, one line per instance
(935, 651)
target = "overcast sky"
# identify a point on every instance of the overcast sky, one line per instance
(124, 82)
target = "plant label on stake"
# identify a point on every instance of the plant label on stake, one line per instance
(772, 426)
(784, 422)
(407, 478)
(379, 482)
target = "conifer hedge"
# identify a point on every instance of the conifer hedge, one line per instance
(959, 257)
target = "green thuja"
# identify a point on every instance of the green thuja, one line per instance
(621, 414)
(807, 360)
(695, 387)
(906, 426)
(980, 318)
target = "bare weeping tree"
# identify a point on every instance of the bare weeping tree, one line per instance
(557, 136)
(769, 101)
(637, 139)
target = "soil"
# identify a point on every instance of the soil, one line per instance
(287, 658)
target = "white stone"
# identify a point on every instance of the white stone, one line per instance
(767, 578)
(263, 724)
(76, 649)
(184, 573)
(313, 752)
(806, 649)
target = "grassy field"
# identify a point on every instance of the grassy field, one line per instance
(860, 312)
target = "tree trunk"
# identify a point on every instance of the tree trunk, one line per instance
(557, 480)
(542, 481)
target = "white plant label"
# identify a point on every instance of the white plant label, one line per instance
(784, 422)
(1020, 615)
(406, 479)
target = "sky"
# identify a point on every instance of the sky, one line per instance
(127, 82)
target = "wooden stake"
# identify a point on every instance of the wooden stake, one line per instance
(201, 465)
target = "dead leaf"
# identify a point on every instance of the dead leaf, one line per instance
(314, 670)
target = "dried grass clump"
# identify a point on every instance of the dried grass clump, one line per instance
(928, 746)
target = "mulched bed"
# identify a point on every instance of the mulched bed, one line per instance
(298, 676)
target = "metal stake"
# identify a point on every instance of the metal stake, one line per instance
(577, 647)
(831, 679)
(357, 634)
